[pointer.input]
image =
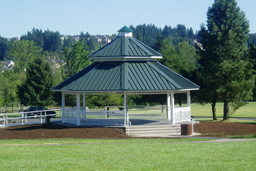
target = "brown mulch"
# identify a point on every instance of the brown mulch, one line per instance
(224, 129)
(58, 131)
(210, 129)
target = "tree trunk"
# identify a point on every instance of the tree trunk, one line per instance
(226, 110)
(214, 111)
(22, 107)
(5, 108)
(180, 100)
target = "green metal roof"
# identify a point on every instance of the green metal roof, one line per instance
(122, 47)
(125, 29)
(129, 76)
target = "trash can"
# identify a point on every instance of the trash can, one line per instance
(47, 120)
(186, 129)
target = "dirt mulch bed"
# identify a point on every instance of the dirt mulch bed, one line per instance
(210, 129)
(224, 129)
(58, 131)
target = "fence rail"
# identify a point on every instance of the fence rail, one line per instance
(24, 118)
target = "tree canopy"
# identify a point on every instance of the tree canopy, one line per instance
(223, 60)
(48, 40)
(37, 88)
(76, 58)
(22, 52)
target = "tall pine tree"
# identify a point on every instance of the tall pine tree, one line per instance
(37, 89)
(225, 70)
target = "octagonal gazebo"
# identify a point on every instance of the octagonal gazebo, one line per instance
(125, 66)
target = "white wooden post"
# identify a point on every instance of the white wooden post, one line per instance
(63, 106)
(125, 109)
(188, 99)
(168, 109)
(78, 109)
(189, 102)
(172, 109)
(84, 105)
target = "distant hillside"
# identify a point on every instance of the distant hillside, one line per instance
(55, 42)
(148, 33)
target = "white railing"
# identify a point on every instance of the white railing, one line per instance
(24, 118)
(70, 114)
(128, 127)
(147, 111)
(182, 114)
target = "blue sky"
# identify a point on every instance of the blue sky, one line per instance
(70, 17)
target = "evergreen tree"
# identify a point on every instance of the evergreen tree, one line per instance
(67, 43)
(37, 88)
(252, 53)
(252, 39)
(4, 48)
(159, 43)
(48, 40)
(225, 71)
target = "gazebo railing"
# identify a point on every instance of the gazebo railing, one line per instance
(147, 111)
(70, 114)
(182, 114)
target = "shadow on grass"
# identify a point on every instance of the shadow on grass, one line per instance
(242, 136)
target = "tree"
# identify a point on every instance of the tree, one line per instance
(1, 85)
(4, 48)
(67, 43)
(48, 40)
(223, 63)
(105, 100)
(181, 59)
(252, 53)
(76, 58)
(187, 55)
(22, 52)
(9, 81)
(170, 57)
(37, 88)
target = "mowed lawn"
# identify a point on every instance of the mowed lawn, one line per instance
(248, 110)
(132, 154)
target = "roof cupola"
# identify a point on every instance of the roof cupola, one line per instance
(125, 47)
(125, 32)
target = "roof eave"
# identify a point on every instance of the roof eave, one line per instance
(125, 57)
(127, 91)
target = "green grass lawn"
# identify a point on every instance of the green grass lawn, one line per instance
(132, 154)
(248, 110)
